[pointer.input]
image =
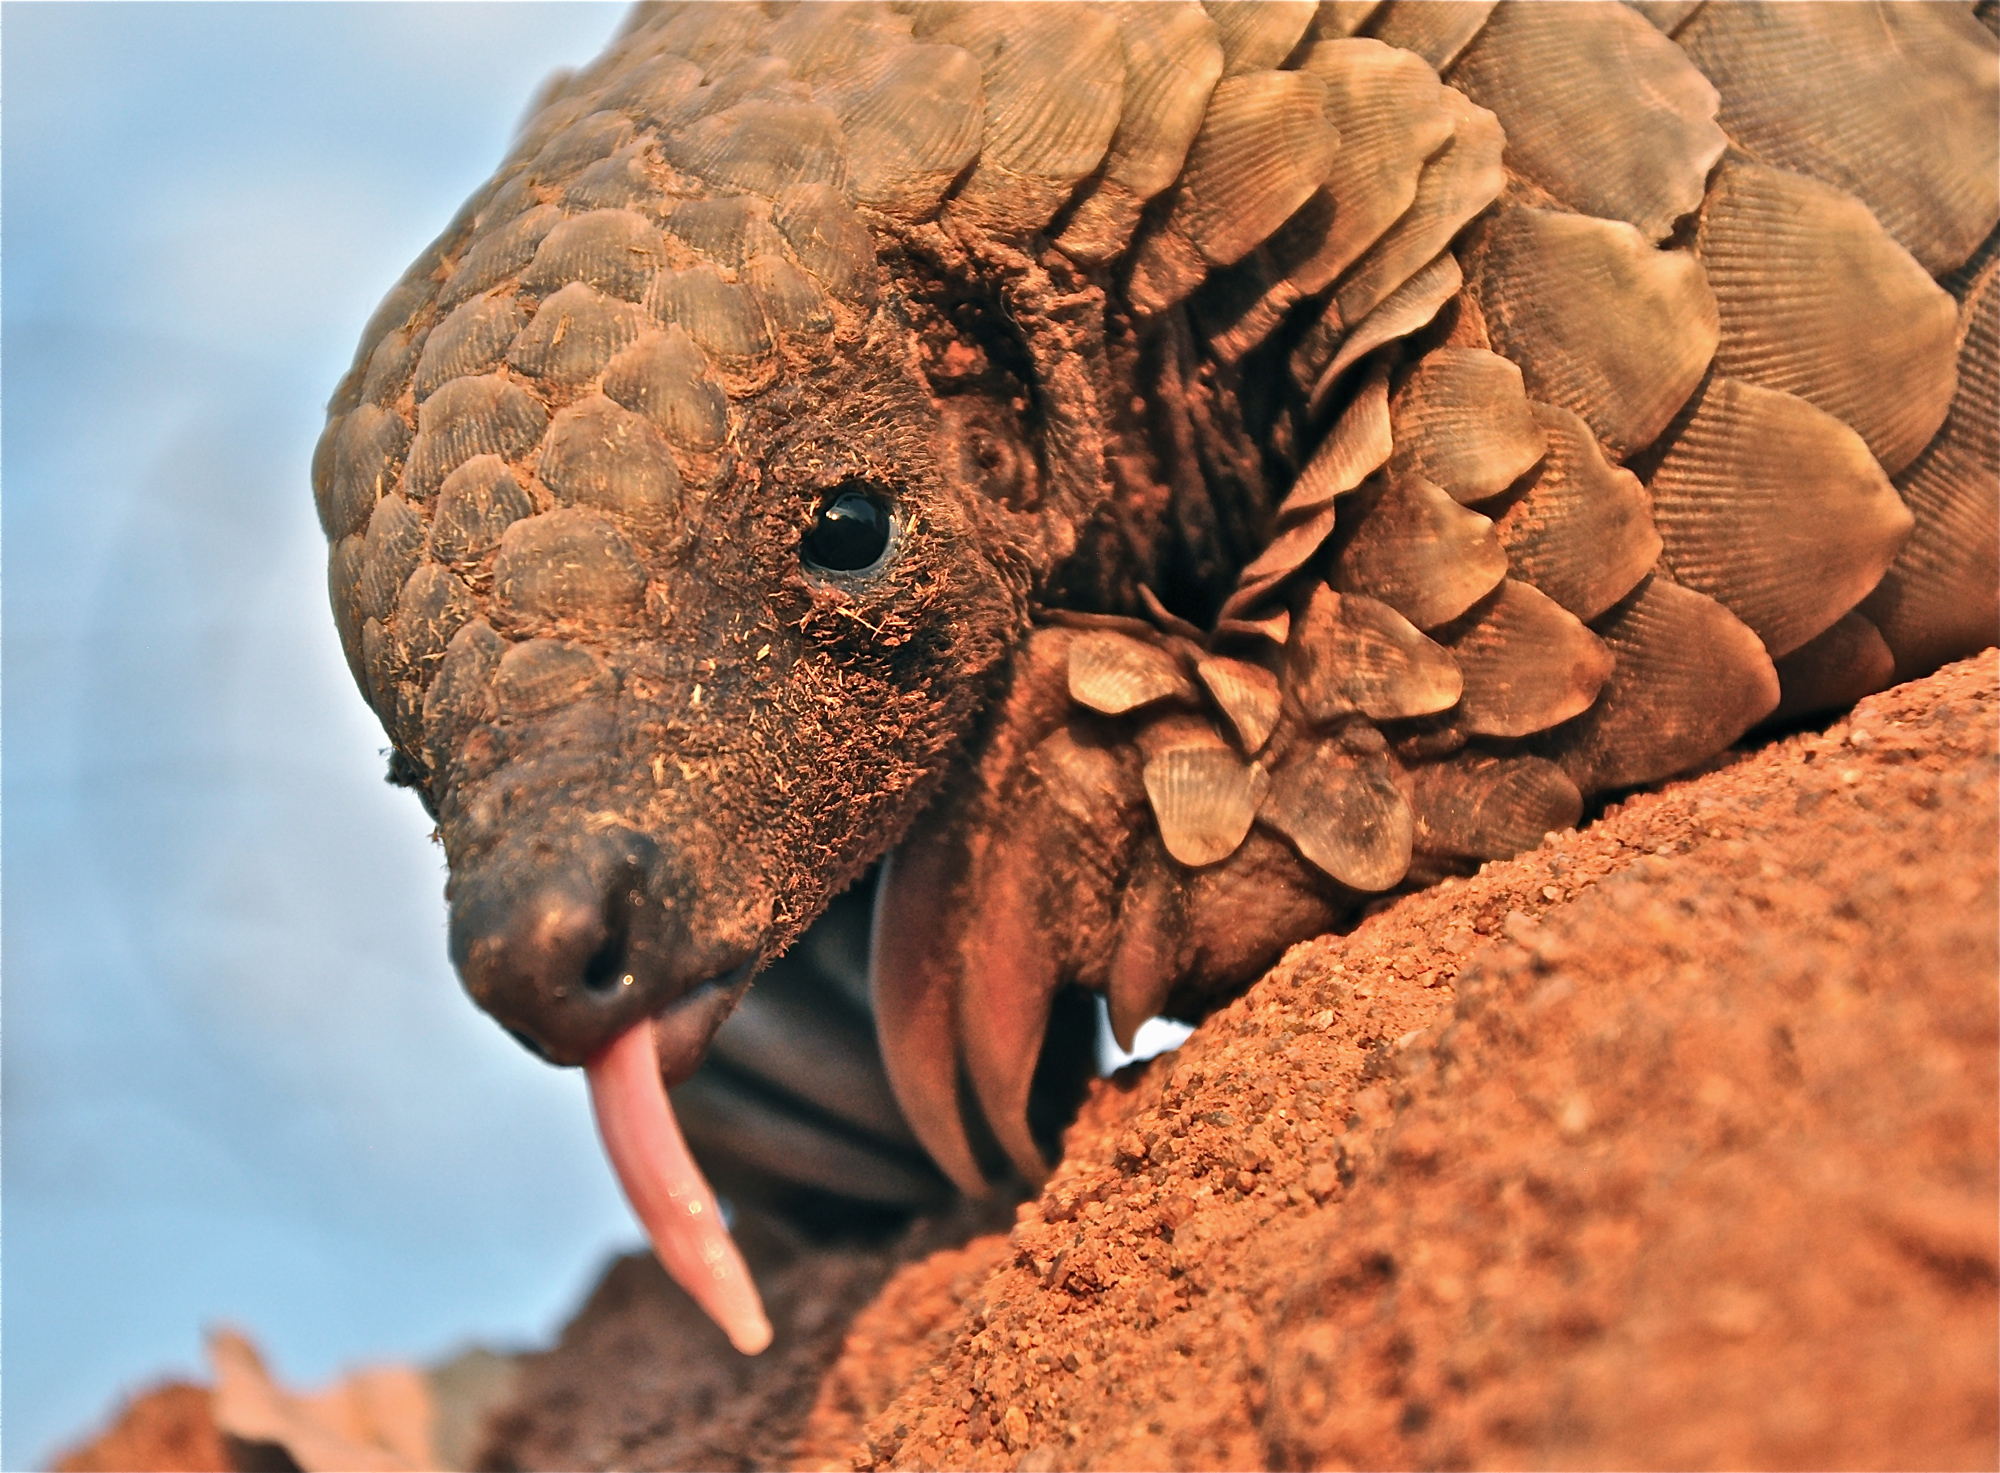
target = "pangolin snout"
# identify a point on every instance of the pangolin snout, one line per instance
(568, 945)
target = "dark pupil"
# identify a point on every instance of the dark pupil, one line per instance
(849, 533)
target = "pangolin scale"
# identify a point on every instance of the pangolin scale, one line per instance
(1130, 484)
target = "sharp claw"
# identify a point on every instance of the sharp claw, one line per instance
(910, 978)
(1152, 933)
(1004, 991)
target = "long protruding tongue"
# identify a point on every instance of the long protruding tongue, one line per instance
(667, 1190)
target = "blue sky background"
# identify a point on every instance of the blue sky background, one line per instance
(240, 1081)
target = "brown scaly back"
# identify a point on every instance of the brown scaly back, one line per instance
(1327, 445)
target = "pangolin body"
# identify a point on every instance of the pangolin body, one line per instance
(1161, 474)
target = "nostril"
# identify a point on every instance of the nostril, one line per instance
(608, 969)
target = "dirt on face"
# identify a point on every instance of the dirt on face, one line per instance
(1671, 1143)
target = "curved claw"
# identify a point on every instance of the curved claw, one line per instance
(1152, 936)
(911, 967)
(1050, 870)
(1004, 989)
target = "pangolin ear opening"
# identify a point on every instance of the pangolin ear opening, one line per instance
(983, 380)
(1018, 393)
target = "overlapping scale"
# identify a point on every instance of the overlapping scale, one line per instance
(476, 504)
(472, 340)
(724, 319)
(1409, 307)
(1054, 80)
(828, 43)
(1462, 422)
(1893, 103)
(1835, 668)
(1477, 806)
(1203, 794)
(467, 417)
(1245, 693)
(600, 454)
(498, 253)
(434, 604)
(709, 35)
(1582, 531)
(539, 675)
(764, 147)
(1456, 183)
(369, 445)
(1344, 812)
(620, 182)
(1348, 653)
(1115, 673)
(1689, 679)
(1437, 30)
(655, 89)
(1173, 60)
(912, 127)
(574, 336)
(1940, 599)
(1339, 19)
(1602, 324)
(1418, 551)
(1600, 110)
(343, 587)
(665, 377)
(829, 241)
(1357, 446)
(1666, 16)
(1527, 663)
(1263, 147)
(462, 694)
(1817, 300)
(796, 310)
(728, 230)
(389, 553)
(1776, 509)
(1390, 111)
(616, 251)
(390, 365)
(1258, 34)
(569, 566)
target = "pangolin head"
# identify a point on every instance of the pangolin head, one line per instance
(673, 540)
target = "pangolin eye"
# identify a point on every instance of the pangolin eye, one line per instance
(850, 534)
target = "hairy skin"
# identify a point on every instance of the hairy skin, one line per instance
(1288, 498)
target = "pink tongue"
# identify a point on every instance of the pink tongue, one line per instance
(667, 1189)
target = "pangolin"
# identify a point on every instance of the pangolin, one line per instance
(1138, 482)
